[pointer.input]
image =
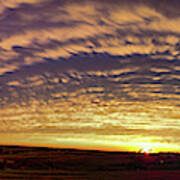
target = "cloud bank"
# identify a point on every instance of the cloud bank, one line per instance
(33, 30)
(90, 69)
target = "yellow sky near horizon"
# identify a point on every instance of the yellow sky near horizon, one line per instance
(106, 125)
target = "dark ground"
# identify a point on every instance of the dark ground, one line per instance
(68, 164)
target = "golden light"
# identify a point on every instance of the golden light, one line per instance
(153, 147)
(146, 150)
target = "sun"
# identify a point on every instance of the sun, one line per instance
(151, 147)
(146, 150)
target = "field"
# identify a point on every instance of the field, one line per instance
(68, 164)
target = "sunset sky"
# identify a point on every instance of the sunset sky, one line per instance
(90, 74)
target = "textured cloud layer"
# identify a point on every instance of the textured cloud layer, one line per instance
(33, 30)
(90, 70)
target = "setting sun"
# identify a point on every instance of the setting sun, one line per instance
(146, 150)
(153, 147)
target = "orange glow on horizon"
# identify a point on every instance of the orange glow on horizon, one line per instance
(82, 144)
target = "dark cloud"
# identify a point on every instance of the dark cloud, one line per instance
(55, 29)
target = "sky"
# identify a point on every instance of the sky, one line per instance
(90, 74)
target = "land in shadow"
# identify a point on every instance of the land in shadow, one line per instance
(17, 162)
